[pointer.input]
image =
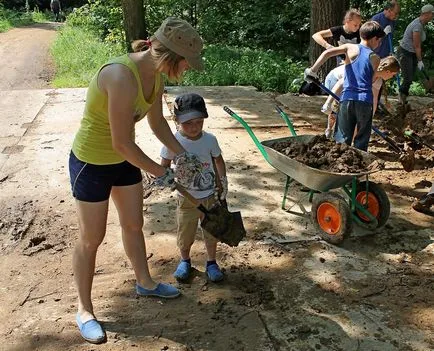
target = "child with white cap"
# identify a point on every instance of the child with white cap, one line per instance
(190, 112)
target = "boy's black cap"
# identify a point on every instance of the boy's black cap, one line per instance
(189, 106)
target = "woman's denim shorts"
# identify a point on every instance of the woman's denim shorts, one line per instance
(93, 183)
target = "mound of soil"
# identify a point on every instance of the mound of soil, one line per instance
(324, 154)
(420, 121)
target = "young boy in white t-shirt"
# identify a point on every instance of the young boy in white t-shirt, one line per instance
(190, 112)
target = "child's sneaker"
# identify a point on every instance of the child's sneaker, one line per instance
(327, 108)
(328, 133)
(182, 271)
(214, 273)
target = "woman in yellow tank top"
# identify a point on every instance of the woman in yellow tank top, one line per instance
(105, 160)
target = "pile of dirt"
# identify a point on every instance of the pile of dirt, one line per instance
(420, 121)
(421, 124)
(324, 154)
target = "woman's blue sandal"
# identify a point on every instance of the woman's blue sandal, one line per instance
(166, 291)
(91, 330)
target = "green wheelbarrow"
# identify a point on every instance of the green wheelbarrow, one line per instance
(364, 202)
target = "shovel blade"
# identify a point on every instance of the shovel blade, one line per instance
(225, 226)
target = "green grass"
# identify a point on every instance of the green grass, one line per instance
(77, 55)
(10, 19)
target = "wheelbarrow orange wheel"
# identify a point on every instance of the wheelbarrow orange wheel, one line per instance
(375, 201)
(331, 217)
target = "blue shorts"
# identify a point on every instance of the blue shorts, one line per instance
(93, 183)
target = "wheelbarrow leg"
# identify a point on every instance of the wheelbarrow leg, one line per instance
(289, 180)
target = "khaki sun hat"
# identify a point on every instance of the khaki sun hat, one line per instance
(180, 37)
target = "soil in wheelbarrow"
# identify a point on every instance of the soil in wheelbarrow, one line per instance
(324, 154)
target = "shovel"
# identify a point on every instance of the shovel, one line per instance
(225, 226)
(418, 139)
(428, 83)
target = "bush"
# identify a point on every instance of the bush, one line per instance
(266, 70)
(78, 53)
(101, 17)
(12, 18)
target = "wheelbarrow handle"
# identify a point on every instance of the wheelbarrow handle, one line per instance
(249, 130)
(286, 119)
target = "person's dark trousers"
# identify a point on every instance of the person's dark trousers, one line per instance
(352, 114)
(408, 63)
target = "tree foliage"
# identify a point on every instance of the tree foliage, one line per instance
(283, 26)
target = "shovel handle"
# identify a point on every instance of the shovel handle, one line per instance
(324, 88)
(425, 74)
(387, 139)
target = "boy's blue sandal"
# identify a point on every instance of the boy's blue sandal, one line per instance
(182, 271)
(91, 331)
(214, 273)
(162, 290)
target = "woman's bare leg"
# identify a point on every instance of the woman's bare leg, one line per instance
(92, 225)
(129, 203)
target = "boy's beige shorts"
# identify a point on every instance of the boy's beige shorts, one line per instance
(187, 216)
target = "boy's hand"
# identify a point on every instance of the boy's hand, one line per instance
(309, 74)
(420, 65)
(388, 29)
(187, 165)
(224, 182)
(167, 180)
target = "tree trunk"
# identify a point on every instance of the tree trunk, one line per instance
(134, 21)
(324, 15)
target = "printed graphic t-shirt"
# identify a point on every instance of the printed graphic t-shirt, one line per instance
(205, 148)
(341, 37)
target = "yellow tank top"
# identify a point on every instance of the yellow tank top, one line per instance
(93, 142)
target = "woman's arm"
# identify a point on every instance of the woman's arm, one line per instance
(417, 45)
(120, 86)
(159, 125)
(319, 38)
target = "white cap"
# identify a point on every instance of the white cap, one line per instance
(427, 8)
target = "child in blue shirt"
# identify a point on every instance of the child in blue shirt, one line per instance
(356, 106)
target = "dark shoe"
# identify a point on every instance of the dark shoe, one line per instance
(424, 203)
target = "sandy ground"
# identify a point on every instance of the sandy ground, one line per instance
(285, 289)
